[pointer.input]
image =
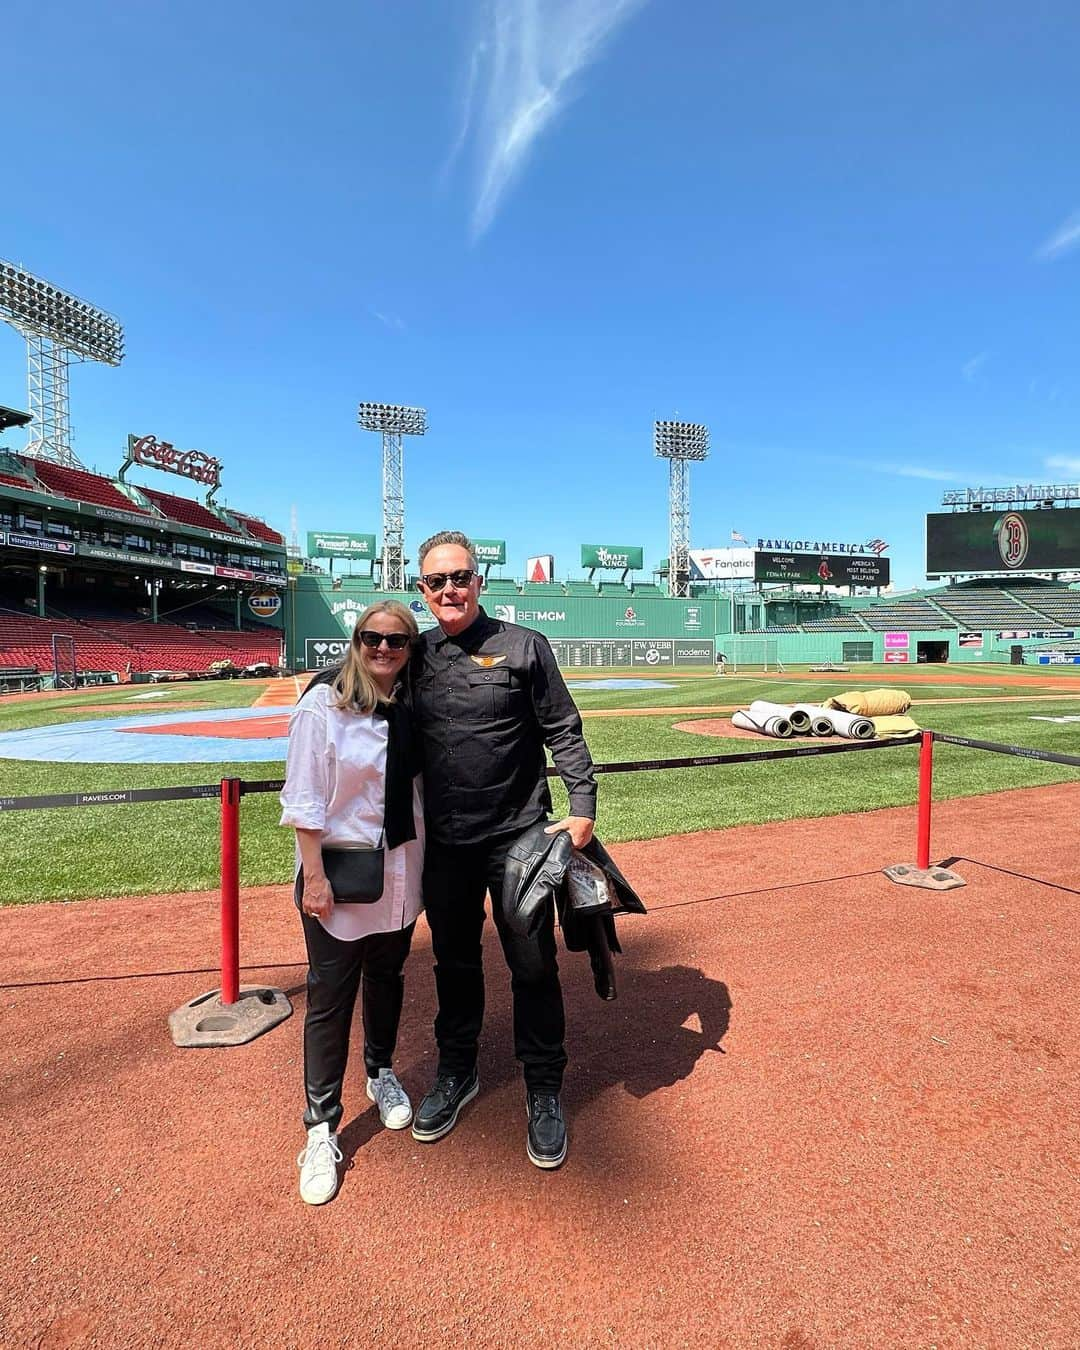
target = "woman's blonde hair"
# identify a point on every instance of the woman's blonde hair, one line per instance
(353, 687)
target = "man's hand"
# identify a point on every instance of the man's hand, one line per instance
(579, 828)
(318, 898)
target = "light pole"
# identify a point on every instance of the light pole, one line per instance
(395, 423)
(679, 442)
(59, 328)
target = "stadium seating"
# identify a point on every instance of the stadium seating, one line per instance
(615, 590)
(80, 485)
(1059, 606)
(257, 528)
(846, 623)
(980, 607)
(500, 586)
(536, 590)
(647, 588)
(580, 588)
(187, 512)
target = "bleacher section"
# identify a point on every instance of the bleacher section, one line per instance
(537, 590)
(580, 588)
(984, 607)
(187, 512)
(500, 586)
(79, 485)
(837, 624)
(119, 645)
(257, 528)
(647, 588)
(910, 613)
(1061, 607)
(615, 589)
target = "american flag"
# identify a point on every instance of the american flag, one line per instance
(877, 545)
(736, 537)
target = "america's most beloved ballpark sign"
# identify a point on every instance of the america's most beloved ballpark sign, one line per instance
(155, 454)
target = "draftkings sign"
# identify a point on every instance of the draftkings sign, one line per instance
(614, 557)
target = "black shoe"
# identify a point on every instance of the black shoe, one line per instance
(437, 1114)
(546, 1143)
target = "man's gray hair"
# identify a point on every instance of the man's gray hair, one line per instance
(448, 537)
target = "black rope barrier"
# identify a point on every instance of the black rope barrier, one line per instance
(1021, 751)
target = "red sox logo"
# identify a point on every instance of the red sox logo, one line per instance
(1012, 539)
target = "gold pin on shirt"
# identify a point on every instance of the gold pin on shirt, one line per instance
(487, 661)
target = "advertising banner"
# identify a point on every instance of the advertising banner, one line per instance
(1016, 634)
(970, 640)
(714, 564)
(339, 544)
(614, 557)
(264, 604)
(894, 640)
(203, 569)
(998, 541)
(490, 551)
(322, 652)
(897, 658)
(540, 568)
(35, 541)
(121, 555)
(822, 569)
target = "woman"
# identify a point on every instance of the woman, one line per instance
(350, 780)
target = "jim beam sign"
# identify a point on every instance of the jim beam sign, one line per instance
(155, 454)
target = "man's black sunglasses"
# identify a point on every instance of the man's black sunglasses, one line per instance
(435, 581)
(395, 641)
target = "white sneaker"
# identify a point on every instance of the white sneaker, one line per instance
(318, 1166)
(395, 1109)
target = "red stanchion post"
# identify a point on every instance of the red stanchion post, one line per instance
(926, 790)
(230, 890)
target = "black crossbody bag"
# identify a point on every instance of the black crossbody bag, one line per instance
(355, 872)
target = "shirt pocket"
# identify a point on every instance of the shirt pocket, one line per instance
(495, 693)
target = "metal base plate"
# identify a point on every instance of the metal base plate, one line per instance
(206, 1021)
(930, 878)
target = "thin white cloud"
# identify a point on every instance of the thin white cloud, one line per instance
(1070, 463)
(523, 72)
(971, 369)
(918, 471)
(391, 321)
(1062, 241)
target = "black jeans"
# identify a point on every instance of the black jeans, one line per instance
(335, 972)
(455, 879)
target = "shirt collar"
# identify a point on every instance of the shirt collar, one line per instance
(471, 636)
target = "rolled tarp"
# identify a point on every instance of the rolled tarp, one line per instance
(768, 724)
(821, 723)
(800, 722)
(850, 725)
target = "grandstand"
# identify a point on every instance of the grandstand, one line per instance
(140, 579)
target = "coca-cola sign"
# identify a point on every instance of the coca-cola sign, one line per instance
(155, 454)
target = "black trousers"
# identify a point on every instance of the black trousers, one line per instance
(336, 972)
(455, 879)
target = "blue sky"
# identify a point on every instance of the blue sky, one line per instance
(846, 236)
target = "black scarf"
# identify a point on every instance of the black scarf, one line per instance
(402, 764)
(401, 768)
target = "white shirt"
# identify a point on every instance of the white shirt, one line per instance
(335, 781)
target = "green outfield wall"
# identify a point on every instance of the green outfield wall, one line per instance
(649, 631)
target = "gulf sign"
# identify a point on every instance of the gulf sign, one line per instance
(264, 604)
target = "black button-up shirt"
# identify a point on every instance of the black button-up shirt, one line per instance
(486, 703)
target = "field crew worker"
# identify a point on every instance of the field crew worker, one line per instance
(487, 698)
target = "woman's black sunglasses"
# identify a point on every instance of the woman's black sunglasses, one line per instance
(435, 581)
(395, 641)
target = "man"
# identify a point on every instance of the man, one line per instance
(488, 697)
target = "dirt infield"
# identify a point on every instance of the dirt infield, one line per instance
(825, 1111)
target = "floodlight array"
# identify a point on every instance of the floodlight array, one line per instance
(681, 440)
(392, 417)
(37, 308)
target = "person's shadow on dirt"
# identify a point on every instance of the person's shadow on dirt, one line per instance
(651, 1037)
(654, 1034)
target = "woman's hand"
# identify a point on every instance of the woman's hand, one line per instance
(318, 898)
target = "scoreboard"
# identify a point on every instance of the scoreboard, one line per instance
(821, 569)
(1046, 540)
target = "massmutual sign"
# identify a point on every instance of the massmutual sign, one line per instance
(615, 557)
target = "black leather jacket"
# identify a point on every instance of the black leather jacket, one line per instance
(535, 874)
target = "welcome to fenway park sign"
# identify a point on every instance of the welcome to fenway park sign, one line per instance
(155, 454)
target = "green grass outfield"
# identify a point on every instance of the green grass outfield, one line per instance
(172, 846)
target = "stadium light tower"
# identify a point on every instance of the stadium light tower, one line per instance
(395, 423)
(59, 328)
(679, 442)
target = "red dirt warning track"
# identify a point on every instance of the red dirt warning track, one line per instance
(833, 1112)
